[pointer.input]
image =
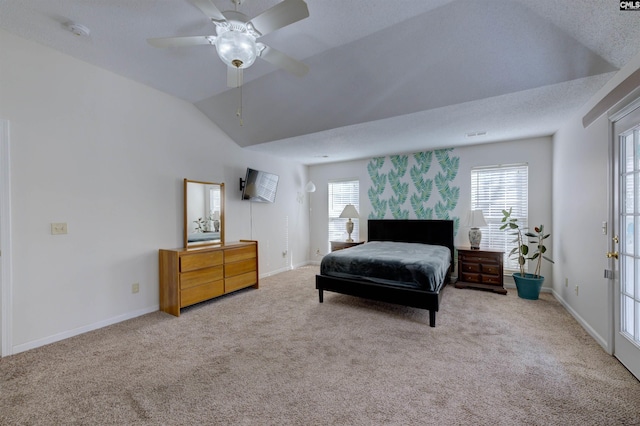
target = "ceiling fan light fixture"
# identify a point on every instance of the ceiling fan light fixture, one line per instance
(235, 47)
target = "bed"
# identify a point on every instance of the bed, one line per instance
(413, 290)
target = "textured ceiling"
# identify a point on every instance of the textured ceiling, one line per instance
(385, 76)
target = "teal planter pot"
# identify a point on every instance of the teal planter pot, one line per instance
(528, 286)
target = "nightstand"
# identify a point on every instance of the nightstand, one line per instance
(480, 269)
(340, 245)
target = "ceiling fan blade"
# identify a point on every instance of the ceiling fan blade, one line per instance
(283, 61)
(181, 41)
(210, 10)
(234, 77)
(282, 14)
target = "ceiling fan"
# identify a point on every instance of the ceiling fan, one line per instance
(236, 37)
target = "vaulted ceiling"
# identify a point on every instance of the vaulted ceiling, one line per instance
(385, 76)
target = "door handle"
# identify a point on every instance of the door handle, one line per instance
(613, 254)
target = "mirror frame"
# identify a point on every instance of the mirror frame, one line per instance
(203, 243)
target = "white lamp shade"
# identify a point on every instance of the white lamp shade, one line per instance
(476, 219)
(349, 212)
(310, 187)
(215, 215)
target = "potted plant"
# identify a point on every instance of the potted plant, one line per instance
(528, 285)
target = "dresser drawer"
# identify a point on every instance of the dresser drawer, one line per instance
(240, 281)
(200, 293)
(201, 276)
(238, 268)
(241, 253)
(195, 261)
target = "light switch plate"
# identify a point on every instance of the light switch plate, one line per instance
(58, 228)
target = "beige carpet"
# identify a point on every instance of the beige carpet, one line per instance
(275, 356)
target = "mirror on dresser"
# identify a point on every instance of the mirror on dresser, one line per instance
(203, 213)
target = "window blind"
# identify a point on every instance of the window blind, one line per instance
(497, 188)
(341, 193)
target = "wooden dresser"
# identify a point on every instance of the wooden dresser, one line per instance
(481, 269)
(190, 276)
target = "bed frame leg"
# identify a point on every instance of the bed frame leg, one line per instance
(432, 318)
(320, 295)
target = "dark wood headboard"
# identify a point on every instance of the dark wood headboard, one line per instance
(436, 232)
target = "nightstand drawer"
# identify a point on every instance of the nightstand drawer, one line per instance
(471, 278)
(490, 269)
(491, 279)
(481, 259)
(471, 267)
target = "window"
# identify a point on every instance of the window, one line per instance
(497, 188)
(341, 193)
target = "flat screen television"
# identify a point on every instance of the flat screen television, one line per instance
(259, 186)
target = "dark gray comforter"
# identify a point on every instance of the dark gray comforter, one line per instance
(413, 265)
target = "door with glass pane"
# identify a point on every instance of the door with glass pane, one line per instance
(626, 339)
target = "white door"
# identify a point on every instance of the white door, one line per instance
(3, 322)
(5, 235)
(626, 215)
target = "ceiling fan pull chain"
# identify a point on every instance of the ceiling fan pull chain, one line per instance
(239, 113)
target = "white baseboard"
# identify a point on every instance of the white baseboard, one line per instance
(80, 330)
(277, 271)
(597, 337)
(288, 268)
(130, 315)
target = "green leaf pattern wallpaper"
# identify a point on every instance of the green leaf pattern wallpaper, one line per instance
(410, 193)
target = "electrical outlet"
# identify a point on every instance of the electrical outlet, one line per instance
(284, 253)
(135, 288)
(58, 228)
(576, 290)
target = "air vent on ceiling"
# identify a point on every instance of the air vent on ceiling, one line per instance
(474, 134)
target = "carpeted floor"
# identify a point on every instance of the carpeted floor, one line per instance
(275, 356)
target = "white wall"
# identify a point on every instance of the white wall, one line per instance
(536, 152)
(580, 205)
(108, 156)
